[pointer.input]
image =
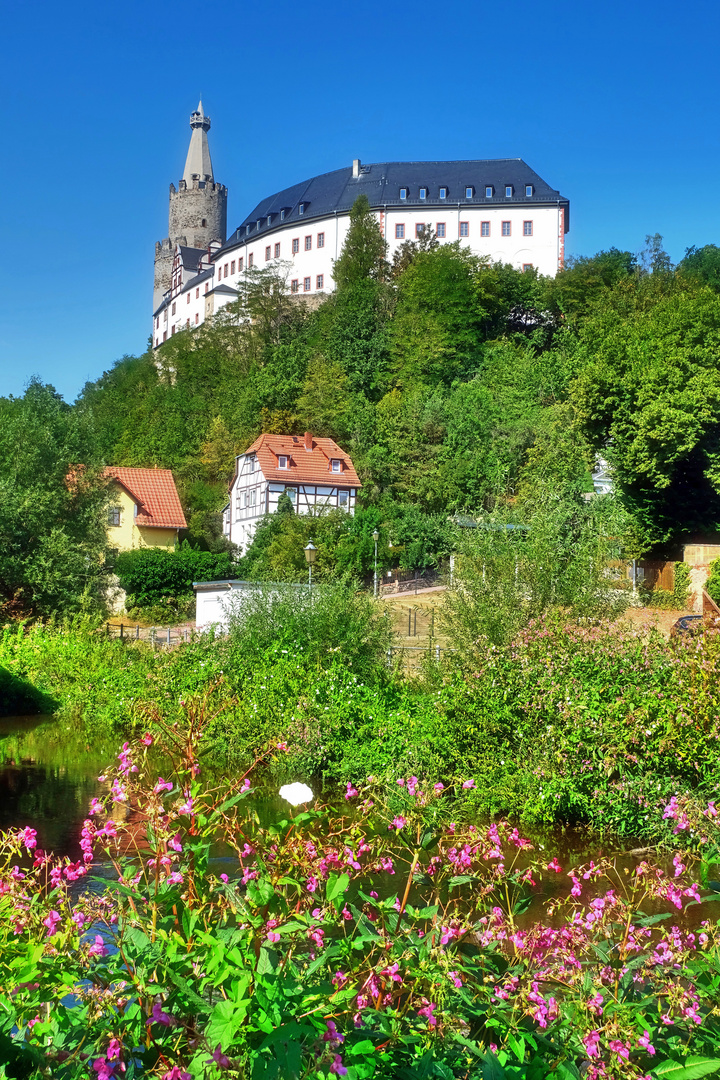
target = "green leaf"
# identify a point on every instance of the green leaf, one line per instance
(365, 1046)
(336, 886)
(690, 1069)
(225, 1019)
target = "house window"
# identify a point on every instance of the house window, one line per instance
(282, 462)
(320, 281)
(508, 191)
(443, 193)
(527, 266)
(423, 193)
(528, 190)
(403, 193)
(308, 243)
(484, 228)
(527, 228)
(343, 498)
(336, 465)
(489, 191)
(301, 208)
(294, 285)
(173, 309)
(295, 245)
(252, 495)
(114, 515)
(240, 265)
(506, 228)
(399, 232)
(321, 239)
(251, 259)
(469, 192)
(277, 251)
(306, 284)
(232, 267)
(419, 229)
(291, 494)
(440, 229)
(268, 253)
(464, 228)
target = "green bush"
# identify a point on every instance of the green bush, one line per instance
(152, 576)
(681, 591)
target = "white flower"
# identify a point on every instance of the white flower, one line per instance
(296, 793)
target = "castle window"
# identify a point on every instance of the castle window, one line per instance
(423, 193)
(508, 191)
(301, 208)
(157, 323)
(308, 243)
(277, 251)
(258, 223)
(469, 192)
(506, 229)
(306, 284)
(320, 282)
(197, 293)
(489, 191)
(268, 253)
(164, 335)
(188, 298)
(527, 228)
(440, 229)
(203, 224)
(527, 266)
(399, 232)
(232, 267)
(269, 218)
(443, 193)
(484, 228)
(251, 259)
(247, 230)
(113, 517)
(529, 190)
(403, 193)
(294, 285)
(464, 228)
(282, 215)
(197, 318)
(419, 229)
(240, 265)
(173, 309)
(226, 268)
(320, 239)
(295, 245)
(207, 287)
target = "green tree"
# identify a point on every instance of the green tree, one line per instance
(323, 403)
(702, 264)
(52, 498)
(363, 256)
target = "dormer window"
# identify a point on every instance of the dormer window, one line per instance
(301, 208)
(529, 190)
(469, 192)
(282, 215)
(443, 193)
(403, 193)
(282, 461)
(423, 193)
(489, 191)
(247, 230)
(258, 223)
(336, 465)
(508, 191)
(269, 218)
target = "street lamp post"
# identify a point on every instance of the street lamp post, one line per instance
(376, 537)
(310, 555)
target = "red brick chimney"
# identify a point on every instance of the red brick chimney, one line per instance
(308, 441)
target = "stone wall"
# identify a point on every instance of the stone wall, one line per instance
(191, 206)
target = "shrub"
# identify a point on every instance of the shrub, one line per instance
(681, 591)
(152, 576)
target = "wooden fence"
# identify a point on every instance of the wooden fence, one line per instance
(658, 574)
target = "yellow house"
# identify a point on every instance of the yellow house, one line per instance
(144, 509)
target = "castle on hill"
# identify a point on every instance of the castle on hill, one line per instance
(497, 208)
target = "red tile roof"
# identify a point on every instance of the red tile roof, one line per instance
(155, 492)
(304, 466)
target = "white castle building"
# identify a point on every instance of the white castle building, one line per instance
(498, 208)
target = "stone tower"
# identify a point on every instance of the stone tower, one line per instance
(198, 208)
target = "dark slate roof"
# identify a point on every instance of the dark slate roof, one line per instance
(191, 256)
(162, 307)
(225, 289)
(197, 279)
(335, 192)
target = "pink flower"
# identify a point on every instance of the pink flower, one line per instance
(162, 785)
(273, 936)
(218, 1058)
(678, 864)
(591, 1041)
(147, 739)
(337, 1066)
(427, 1010)
(311, 884)
(174, 843)
(281, 746)
(51, 921)
(346, 914)
(644, 1041)
(98, 949)
(398, 822)
(28, 837)
(468, 784)
(113, 1050)
(711, 810)
(225, 878)
(246, 785)
(175, 878)
(351, 792)
(338, 978)
(437, 788)
(158, 1016)
(401, 783)
(622, 1049)
(554, 865)
(332, 1035)
(176, 1073)
(455, 978)
(187, 806)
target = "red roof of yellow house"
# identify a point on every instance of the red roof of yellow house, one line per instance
(155, 493)
(309, 460)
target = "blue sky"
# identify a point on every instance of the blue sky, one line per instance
(614, 104)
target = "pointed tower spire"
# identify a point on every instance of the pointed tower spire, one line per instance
(198, 165)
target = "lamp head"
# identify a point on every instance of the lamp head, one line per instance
(310, 553)
(376, 536)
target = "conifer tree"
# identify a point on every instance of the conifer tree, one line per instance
(363, 255)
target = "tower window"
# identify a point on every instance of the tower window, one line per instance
(269, 218)
(336, 465)
(173, 309)
(282, 461)
(197, 293)
(232, 267)
(294, 285)
(527, 266)
(203, 224)
(113, 517)
(247, 230)
(258, 223)
(419, 229)
(225, 269)
(188, 298)
(282, 215)
(240, 265)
